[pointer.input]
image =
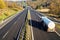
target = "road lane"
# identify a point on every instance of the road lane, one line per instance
(39, 30)
(10, 31)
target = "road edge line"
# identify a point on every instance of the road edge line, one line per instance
(57, 33)
(31, 26)
(5, 34)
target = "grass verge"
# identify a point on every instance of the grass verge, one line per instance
(58, 25)
(7, 13)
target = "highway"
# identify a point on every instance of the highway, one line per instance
(10, 30)
(39, 31)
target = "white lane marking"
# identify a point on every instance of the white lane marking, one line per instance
(32, 32)
(5, 34)
(31, 26)
(15, 22)
(57, 33)
(38, 15)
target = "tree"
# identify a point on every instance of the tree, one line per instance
(2, 4)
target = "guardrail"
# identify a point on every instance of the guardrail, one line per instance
(20, 30)
(25, 31)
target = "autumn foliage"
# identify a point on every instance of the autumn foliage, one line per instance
(2, 4)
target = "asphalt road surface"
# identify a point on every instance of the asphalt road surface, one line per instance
(10, 31)
(39, 31)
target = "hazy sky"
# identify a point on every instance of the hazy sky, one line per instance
(16, 0)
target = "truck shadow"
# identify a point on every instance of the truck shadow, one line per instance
(39, 25)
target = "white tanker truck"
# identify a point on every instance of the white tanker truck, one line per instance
(50, 24)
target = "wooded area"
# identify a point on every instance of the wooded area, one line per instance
(2, 4)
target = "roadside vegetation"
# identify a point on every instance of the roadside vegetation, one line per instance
(8, 9)
(52, 5)
(58, 25)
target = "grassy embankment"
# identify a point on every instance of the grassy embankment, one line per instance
(5, 13)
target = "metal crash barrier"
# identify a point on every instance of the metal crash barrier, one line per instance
(50, 24)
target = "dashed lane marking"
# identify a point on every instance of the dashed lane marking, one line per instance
(5, 34)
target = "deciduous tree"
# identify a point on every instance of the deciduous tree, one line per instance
(2, 4)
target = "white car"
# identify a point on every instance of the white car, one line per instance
(50, 24)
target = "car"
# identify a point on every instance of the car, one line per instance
(49, 24)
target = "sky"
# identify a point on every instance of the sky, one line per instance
(16, 0)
